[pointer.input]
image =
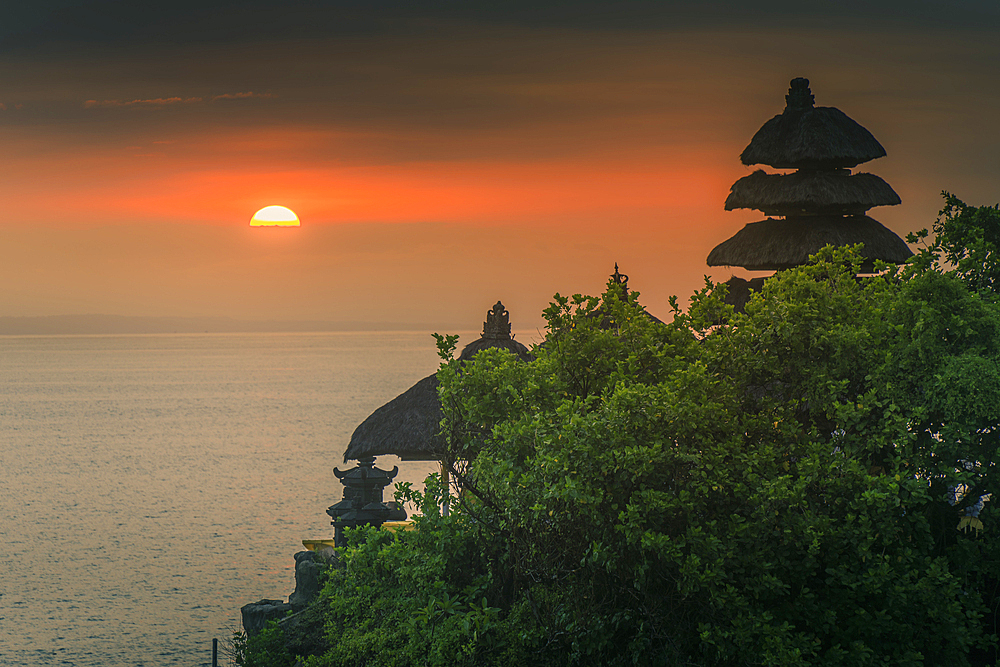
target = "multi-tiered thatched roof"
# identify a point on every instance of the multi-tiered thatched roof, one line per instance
(822, 203)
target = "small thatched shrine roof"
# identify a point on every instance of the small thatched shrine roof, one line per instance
(621, 281)
(804, 136)
(835, 192)
(496, 333)
(407, 426)
(779, 244)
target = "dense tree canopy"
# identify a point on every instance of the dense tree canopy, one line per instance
(966, 239)
(807, 482)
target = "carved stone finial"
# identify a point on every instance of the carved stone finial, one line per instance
(799, 97)
(497, 324)
(620, 278)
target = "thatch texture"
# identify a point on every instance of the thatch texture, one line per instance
(511, 345)
(778, 244)
(406, 426)
(804, 136)
(821, 192)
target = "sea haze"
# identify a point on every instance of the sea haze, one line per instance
(154, 484)
(53, 325)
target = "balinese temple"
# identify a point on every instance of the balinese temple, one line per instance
(820, 203)
(407, 427)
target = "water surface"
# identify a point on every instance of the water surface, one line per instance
(151, 485)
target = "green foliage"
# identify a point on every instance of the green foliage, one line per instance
(968, 239)
(783, 486)
(416, 597)
(265, 649)
(760, 491)
(236, 648)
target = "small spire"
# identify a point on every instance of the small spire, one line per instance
(497, 324)
(799, 97)
(620, 278)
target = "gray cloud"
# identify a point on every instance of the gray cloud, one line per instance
(159, 102)
(155, 102)
(241, 96)
(112, 24)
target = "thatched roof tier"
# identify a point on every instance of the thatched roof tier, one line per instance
(511, 345)
(772, 244)
(407, 426)
(834, 192)
(807, 137)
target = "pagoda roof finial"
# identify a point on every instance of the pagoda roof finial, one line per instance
(799, 97)
(497, 324)
(620, 278)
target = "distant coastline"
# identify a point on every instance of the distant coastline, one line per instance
(120, 324)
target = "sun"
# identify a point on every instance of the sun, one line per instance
(274, 216)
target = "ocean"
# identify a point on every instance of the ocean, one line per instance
(151, 485)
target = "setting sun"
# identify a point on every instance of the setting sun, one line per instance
(274, 216)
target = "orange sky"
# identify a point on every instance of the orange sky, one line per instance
(440, 169)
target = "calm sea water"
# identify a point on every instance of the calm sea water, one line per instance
(152, 485)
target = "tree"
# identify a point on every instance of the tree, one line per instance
(968, 239)
(773, 490)
(799, 484)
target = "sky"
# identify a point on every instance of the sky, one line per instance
(443, 155)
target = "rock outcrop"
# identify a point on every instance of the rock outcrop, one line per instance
(257, 614)
(299, 619)
(308, 566)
